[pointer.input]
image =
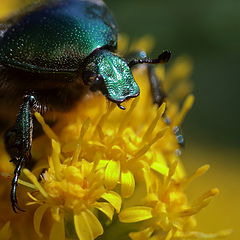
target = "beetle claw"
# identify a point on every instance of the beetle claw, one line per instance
(14, 201)
(16, 208)
(13, 196)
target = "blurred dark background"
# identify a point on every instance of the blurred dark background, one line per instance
(209, 32)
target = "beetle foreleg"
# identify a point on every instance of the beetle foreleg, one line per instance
(157, 90)
(18, 140)
(158, 93)
(13, 196)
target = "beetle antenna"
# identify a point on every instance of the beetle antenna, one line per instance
(162, 58)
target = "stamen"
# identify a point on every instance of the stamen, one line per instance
(34, 180)
(146, 147)
(199, 172)
(103, 118)
(209, 194)
(152, 126)
(48, 131)
(32, 197)
(85, 127)
(56, 160)
(186, 106)
(127, 116)
(27, 184)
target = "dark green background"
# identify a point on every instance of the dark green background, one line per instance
(208, 31)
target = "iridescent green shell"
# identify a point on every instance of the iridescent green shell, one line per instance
(58, 36)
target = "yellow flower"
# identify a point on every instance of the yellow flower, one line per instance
(124, 164)
(72, 187)
(167, 210)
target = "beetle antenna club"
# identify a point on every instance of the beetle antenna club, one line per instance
(162, 58)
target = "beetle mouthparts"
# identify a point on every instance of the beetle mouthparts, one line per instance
(120, 106)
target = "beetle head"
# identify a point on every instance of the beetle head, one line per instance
(106, 72)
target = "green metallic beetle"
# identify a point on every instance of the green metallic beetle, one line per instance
(50, 56)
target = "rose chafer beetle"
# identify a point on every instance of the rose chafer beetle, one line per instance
(51, 55)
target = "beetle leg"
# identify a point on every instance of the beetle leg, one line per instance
(13, 195)
(157, 90)
(18, 141)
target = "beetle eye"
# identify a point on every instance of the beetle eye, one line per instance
(95, 82)
(89, 78)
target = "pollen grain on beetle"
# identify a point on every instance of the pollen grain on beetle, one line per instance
(105, 167)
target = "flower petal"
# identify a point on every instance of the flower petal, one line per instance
(56, 158)
(101, 164)
(106, 208)
(49, 132)
(114, 199)
(135, 214)
(159, 165)
(127, 184)
(186, 106)
(58, 230)
(144, 234)
(87, 225)
(35, 181)
(86, 167)
(37, 218)
(112, 174)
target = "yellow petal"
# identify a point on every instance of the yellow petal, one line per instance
(112, 173)
(55, 211)
(37, 218)
(101, 164)
(199, 172)
(127, 184)
(86, 167)
(87, 225)
(27, 184)
(114, 199)
(152, 126)
(200, 235)
(146, 147)
(135, 214)
(56, 159)
(144, 234)
(49, 132)
(58, 230)
(127, 116)
(159, 166)
(34, 180)
(106, 208)
(186, 106)
(147, 177)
